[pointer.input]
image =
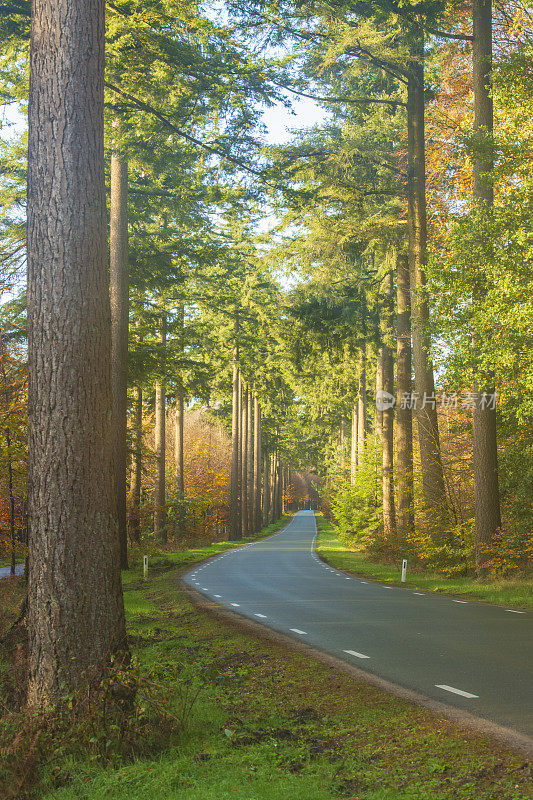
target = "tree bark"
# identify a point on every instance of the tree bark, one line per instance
(250, 463)
(136, 472)
(257, 464)
(178, 436)
(361, 407)
(426, 414)
(160, 514)
(266, 490)
(235, 518)
(379, 388)
(353, 449)
(404, 419)
(387, 416)
(11, 500)
(119, 285)
(244, 462)
(75, 607)
(487, 490)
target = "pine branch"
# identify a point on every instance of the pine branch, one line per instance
(351, 100)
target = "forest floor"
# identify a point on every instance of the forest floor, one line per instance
(250, 720)
(506, 591)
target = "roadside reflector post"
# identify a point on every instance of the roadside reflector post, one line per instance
(404, 570)
(145, 567)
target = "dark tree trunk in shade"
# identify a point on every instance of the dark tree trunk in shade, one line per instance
(274, 484)
(11, 500)
(341, 447)
(136, 469)
(160, 513)
(250, 463)
(266, 490)
(235, 517)
(119, 286)
(257, 464)
(404, 419)
(353, 445)
(75, 606)
(487, 490)
(244, 462)
(361, 407)
(387, 417)
(428, 431)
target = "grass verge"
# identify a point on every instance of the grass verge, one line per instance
(257, 722)
(506, 592)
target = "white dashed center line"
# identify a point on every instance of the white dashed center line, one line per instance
(297, 630)
(217, 595)
(455, 691)
(513, 611)
(355, 653)
(421, 594)
(236, 605)
(263, 616)
(459, 601)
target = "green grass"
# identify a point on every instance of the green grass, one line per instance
(506, 592)
(271, 724)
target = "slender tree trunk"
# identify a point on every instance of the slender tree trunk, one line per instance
(250, 463)
(178, 434)
(235, 519)
(379, 388)
(11, 500)
(257, 464)
(160, 516)
(75, 606)
(119, 286)
(266, 490)
(404, 419)
(341, 447)
(244, 462)
(426, 412)
(487, 490)
(361, 407)
(387, 416)
(353, 451)
(136, 472)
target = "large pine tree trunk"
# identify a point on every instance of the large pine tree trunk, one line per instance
(404, 419)
(119, 284)
(257, 464)
(76, 611)
(160, 513)
(244, 462)
(379, 388)
(250, 463)
(426, 413)
(487, 491)
(235, 518)
(136, 471)
(387, 416)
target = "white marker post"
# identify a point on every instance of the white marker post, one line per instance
(145, 567)
(404, 570)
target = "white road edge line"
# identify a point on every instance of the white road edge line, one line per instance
(217, 595)
(355, 653)
(263, 616)
(297, 630)
(237, 605)
(459, 601)
(514, 611)
(455, 691)
(422, 594)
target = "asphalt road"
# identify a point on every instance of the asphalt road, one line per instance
(5, 571)
(474, 656)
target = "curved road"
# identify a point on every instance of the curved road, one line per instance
(474, 656)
